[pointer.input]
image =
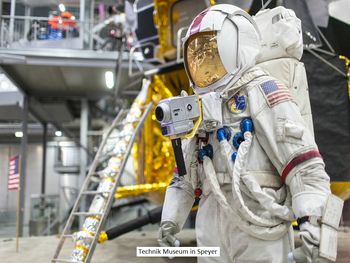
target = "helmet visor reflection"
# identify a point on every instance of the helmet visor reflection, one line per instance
(202, 59)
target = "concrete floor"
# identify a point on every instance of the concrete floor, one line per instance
(41, 249)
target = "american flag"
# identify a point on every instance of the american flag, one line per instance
(13, 181)
(275, 92)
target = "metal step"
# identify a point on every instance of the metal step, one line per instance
(64, 260)
(86, 214)
(95, 192)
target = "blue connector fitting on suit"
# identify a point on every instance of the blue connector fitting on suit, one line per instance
(201, 154)
(223, 133)
(234, 156)
(237, 139)
(247, 125)
(207, 150)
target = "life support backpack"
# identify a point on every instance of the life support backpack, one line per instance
(281, 50)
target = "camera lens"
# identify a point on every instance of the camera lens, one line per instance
(159, 113)
(162, 112)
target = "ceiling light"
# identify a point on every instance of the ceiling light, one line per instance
(4, 85)
(19, 134)
(58, 133)
(62, 7)
(109, 76)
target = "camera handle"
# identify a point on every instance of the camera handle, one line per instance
(179, 158)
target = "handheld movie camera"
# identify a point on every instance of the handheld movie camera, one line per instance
(179, 117)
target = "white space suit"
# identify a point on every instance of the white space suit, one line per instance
(257, 167)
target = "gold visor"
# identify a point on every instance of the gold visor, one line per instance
(202, 59)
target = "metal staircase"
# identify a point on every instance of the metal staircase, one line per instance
(126, 125)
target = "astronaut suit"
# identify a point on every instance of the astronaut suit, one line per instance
(256, 167)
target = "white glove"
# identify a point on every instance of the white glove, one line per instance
(308, 252)
(166, 237)
(299, 255)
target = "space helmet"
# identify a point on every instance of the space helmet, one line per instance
(221, 43)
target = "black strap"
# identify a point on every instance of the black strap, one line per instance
(179, 158)
(302, 220)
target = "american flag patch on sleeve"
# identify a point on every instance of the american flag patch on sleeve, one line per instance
(275, 92)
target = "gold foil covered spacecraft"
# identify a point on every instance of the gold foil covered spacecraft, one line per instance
(79, 254)
(97, 205)
(105, 185)
(91, 224)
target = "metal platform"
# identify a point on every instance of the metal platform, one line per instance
(63, 72)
